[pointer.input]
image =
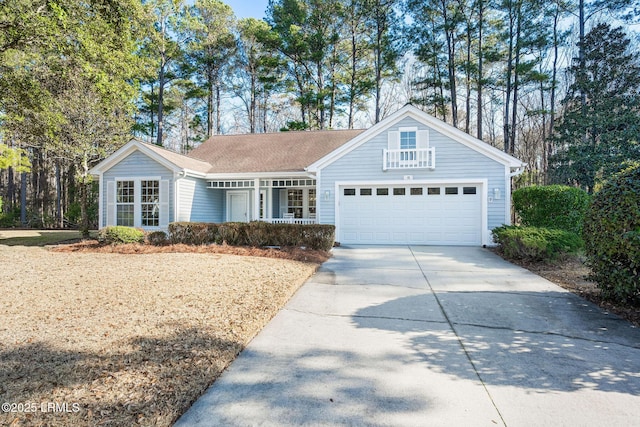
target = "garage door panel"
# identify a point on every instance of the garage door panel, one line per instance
(418, 217)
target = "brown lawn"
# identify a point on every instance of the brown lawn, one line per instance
(91, 338)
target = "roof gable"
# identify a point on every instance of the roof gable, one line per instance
(429, 121)
(169, 159)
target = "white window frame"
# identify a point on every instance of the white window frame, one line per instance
(131, 204)
(409, 130)
(163, 193)
(155, 204)
(308, 211)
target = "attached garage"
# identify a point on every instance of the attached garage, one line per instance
(429, 213)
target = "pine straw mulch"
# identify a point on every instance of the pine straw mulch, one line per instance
(291, 253)
(131, 335)
(571, 274)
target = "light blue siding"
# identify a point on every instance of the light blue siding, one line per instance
(454, 160)
(197, 203)
(137, 165)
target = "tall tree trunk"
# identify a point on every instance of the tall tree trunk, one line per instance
(84, 198)
(11, 189)
(509, 72)
(59, 212)
(161, 82)
(451, 66)
(467, 119)
(252, 103)
(480, 70)
(210, 102)
(352, 77)
(218, 114)
(152, 116)
(552, 101)
(320, 96)
(516, 82)
(582, 18)
(378, 64)
(23, 198)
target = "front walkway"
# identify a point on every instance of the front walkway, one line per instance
(430, 336)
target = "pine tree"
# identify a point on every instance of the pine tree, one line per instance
(599, 130)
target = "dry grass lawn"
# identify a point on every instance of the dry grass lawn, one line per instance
(126, 339)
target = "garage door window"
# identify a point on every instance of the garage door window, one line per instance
(417, 191)
(469, 190)
(451, 190)
(399, 191)
(382, 191)
(433, 191)
(365, 192)
(349, 191)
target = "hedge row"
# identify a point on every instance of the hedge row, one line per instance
(536, 243)
(612, 237)
(313, 236)
(551, 206)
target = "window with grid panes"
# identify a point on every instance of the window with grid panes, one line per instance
(125, 200)
(150, 203)
(295, 201)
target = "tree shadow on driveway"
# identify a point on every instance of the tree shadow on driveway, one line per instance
(538, 341)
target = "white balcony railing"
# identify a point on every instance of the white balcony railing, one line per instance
(424, 158)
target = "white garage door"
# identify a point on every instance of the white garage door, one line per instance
(411, 214)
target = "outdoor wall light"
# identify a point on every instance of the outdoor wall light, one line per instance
(327, 193)
(496, 194)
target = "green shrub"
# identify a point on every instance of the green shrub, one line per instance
(551, 206)
(536, 243)
(116, 235)
(612, 237)
(157, 238)
(10, 219)
(257, 233)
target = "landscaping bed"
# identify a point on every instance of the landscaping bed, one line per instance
(571, 274)
(94, 337)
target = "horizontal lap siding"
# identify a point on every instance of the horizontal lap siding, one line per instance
(137, 165)
(453, 161)
(197, 203)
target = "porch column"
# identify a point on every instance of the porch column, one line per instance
(269, 208)
(256, 199)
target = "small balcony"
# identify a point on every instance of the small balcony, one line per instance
(423, 158)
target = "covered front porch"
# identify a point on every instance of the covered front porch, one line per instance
(277, 200)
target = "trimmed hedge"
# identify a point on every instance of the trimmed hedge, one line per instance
(612, 237)
(536, 243)
(552, 206)
(193, 233)
(257, 233)
(116, 235)
(157, 238)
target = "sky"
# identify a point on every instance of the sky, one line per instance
(248, 8)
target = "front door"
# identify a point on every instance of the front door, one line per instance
(238, 207)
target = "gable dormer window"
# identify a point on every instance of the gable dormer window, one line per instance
(408, 139)
(408, 148)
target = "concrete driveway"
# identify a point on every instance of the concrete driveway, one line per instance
(431, 336)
